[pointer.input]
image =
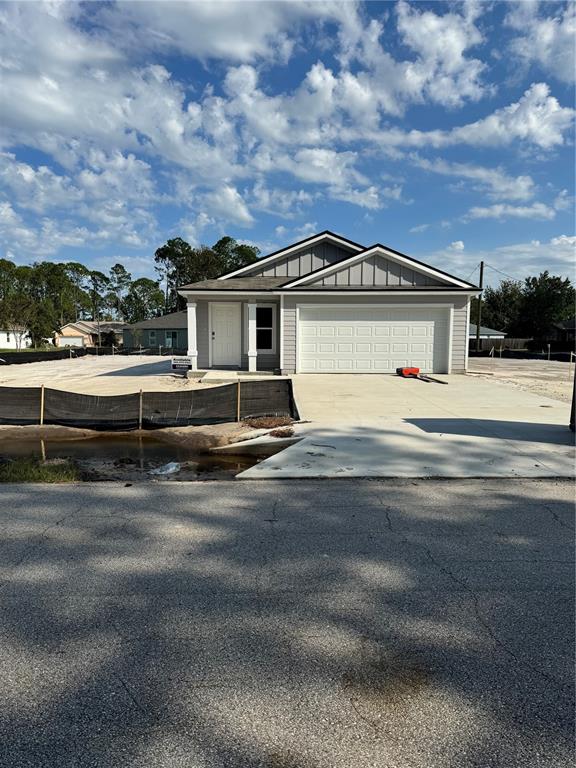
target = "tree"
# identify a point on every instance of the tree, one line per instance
(179, 263)
(183, 264)
(120, 280)
(16, 315)
(143, 301)
(547, 299)
(234, 254)
(77, 275)
(501, 306)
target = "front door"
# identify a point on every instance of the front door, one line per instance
(226, 333)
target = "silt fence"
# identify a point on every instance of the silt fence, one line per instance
(147, 410)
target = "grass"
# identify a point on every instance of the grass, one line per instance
(31, 470)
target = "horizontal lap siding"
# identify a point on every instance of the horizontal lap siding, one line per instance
(459, 335)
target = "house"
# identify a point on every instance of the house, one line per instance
(564, 331)
(329, 305)
(485, 333)
(169, 331)
(16, 337)
(86, 333)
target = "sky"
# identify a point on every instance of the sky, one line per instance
(444, 130)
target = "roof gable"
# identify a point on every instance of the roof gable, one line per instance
(379, 266)
(269, 265)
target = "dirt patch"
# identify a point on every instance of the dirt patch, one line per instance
(289, 432)
(268, 422)
(541, 377)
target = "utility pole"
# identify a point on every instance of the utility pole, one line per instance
(479, 317)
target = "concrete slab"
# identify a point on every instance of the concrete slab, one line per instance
(385, 426)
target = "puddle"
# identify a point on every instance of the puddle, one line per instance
(129, 458)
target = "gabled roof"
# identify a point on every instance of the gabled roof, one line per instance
(384, 250)
(172, 320)
(485, 331)
(312, 240)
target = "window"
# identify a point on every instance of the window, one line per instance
(265, 329)
(7, 336)
(152, 338)
(171, 338)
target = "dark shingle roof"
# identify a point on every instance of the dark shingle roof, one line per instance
(173, 320)
(238, 284)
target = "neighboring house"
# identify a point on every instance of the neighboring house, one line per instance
(485, 333)
(564, 331)
(84, 333)
(329, 305)
(168, 331)
(15, 338)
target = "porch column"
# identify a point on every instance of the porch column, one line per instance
(192, 344)
(252, 353)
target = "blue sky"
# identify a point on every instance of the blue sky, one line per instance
(443, 130)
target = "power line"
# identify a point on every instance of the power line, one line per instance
(471, 273)
(516, 280)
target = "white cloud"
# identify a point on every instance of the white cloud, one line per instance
(517, 259)
(228, 203)
(536, 119)
(457, 245)
(545, 40)
(501, 211)
(495, 182)
(419, 228)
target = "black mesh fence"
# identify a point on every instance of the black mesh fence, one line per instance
(111, 412)
(150, 410)
(273, 397)
(16, 358)
(20, 405)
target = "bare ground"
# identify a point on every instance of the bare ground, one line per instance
(541, 377)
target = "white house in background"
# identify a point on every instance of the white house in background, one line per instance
(486, 333)
(15, 338)
(329, 305)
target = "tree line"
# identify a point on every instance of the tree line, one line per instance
(527, 309)
(44, 296)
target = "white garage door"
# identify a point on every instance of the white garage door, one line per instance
(373, 340)
(71, 341)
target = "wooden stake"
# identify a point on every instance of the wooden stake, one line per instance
(238, 402)
(140, 412)
(42, 405)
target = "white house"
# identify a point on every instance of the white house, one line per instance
(15, 338)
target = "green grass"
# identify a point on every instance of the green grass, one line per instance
(31, 470)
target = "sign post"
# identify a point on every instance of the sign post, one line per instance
(182, 363)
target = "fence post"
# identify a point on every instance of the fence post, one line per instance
(238, 401)
(140, 412)
(42, 405)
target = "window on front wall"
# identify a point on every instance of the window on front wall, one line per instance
(265, 329)
(152, 338)
(171, 338)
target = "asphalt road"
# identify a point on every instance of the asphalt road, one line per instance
(353, 624)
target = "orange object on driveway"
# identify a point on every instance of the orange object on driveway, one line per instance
(408, 373)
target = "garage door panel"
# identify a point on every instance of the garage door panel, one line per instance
(381, 340)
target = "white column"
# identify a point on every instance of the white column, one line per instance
(252, 353)
(192, 344)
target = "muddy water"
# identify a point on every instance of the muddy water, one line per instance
(128, 458)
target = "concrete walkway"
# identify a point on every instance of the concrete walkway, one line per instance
(384, 426)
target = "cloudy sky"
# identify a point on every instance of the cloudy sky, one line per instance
(442, 130)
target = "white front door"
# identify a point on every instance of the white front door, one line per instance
(225, 330)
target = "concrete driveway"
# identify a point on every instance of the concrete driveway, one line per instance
(386, 426)
(278, 625)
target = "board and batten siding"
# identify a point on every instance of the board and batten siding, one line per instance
(301, 262)
(264, 362)
(459, 327)
(377, 271)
